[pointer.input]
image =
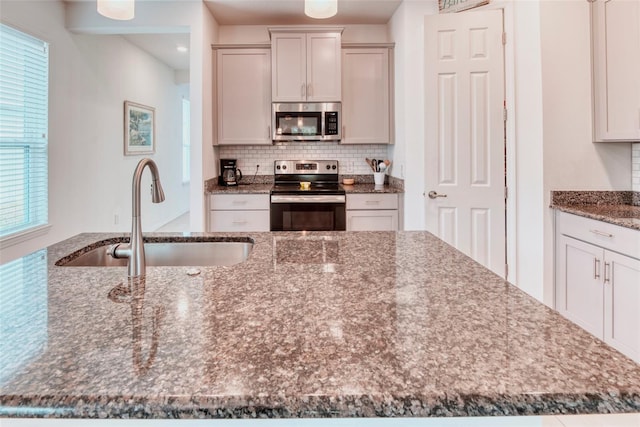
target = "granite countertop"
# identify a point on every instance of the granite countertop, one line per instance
(263, 184)
(615, 207)
(334, 324)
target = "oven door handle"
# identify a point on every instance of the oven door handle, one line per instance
(308, 199)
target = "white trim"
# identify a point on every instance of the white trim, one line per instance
(24, 235)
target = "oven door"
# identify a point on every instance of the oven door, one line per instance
(308, 213)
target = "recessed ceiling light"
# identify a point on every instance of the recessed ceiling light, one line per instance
(182, 49)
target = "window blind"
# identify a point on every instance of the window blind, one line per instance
(24, 86)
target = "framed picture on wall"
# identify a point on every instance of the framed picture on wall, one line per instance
(139, 129)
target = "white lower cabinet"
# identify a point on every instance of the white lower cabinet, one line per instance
(598, 280)
(239, 212)
(372, 212)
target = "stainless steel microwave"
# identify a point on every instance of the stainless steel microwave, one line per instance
(306, 121)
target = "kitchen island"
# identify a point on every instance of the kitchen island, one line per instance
(336, 324)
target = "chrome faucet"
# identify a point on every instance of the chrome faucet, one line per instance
(135, 249)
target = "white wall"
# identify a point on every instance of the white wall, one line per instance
(571, 160)
(406, 29)
(238, 34)
(89, 177)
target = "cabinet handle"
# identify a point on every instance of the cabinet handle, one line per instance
(596, 268)
(372, 202)
(309, 90)
(601, 233)
(239, 202)
(607, 272)
(238, 222)
(302, 89)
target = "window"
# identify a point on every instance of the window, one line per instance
(186, 141)
(24, 85)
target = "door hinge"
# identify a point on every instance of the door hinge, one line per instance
(506, 271)
(504, 38)
(506, 193)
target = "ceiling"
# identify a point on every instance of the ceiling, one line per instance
(291, 12)
(261, 12)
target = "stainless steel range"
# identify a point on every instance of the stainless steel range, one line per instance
(320, 206)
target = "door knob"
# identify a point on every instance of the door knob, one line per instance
(432, 195)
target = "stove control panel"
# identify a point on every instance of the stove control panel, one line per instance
(306, 167)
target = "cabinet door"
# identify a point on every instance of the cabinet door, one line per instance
(579, 284)
(289, 67)
(366, 96)
(375, 220)
(324, 67)
(616, 67)
(243, 96)
(622, 304)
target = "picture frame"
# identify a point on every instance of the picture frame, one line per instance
(139, 129)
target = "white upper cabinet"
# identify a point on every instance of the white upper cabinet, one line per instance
(306, 67)
(367, 100)
(243, 92)
(616, 69)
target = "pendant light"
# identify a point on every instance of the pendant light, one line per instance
(320, 9)
(121, 10)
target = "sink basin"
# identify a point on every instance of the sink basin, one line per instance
(189, 253)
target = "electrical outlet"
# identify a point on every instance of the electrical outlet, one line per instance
(349, 167)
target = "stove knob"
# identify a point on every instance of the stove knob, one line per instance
(278, 167)
(284, 166)
(333, 167)
(328, 167)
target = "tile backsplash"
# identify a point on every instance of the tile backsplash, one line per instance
(635, 166)
(350, 157)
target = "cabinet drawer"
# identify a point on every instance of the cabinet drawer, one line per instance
(372, 201)
(374, 220)
(239, 202)
(609, 236)
(239, 220)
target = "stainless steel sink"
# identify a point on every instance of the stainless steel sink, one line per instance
(193, 253)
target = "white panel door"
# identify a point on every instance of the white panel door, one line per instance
(464, 134)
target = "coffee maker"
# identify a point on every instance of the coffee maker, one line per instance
(229, 172)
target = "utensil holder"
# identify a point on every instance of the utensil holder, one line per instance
(378, 178)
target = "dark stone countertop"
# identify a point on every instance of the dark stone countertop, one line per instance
(266, 189)
(335, 324)
(614, 207)
(264, 183)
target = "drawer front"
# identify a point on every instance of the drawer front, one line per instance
(609, 236)
(372, 201)
(239, 201)
(239, 220)
(375, 220)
